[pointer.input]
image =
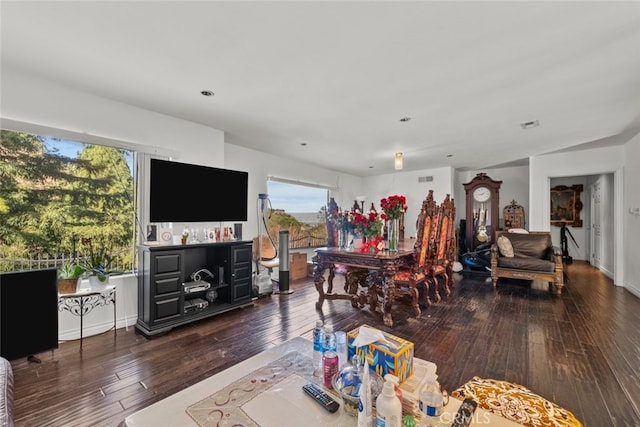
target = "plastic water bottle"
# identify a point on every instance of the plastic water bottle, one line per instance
(432, 399)
(329, 339)
(318, 349)
(341, 347)
(365, 405)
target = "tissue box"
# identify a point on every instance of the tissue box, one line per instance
(396, 359)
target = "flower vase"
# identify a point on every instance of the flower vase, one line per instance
(358, 241)
(97, 285)
(343, 240)
(393, 233)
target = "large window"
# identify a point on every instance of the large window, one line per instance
(57, 194)
(301, 209)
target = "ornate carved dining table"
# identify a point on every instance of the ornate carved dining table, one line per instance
(379, 268)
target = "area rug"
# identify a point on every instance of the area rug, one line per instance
(516, 403)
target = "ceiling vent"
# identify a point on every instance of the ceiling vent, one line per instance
(529, 125)
(425, 178)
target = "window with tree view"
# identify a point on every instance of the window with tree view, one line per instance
(62, 200)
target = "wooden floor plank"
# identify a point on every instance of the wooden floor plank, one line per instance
(580, 349)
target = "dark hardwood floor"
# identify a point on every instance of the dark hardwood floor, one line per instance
(581, 349)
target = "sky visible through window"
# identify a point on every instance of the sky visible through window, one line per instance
(72, 149)
(296, 198)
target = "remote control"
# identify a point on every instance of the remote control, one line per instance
(465, 413)
(323, 399)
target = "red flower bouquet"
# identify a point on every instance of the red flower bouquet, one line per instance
(393, 206)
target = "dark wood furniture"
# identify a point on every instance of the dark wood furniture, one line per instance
(408, 279)
(168, 295)
(482, 201)
(534, 258)
(382, 268)
(440, 264)
(513, 215)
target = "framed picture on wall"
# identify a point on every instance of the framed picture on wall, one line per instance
(566, 205)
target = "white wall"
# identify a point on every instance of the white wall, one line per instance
(406, 184)
(580, 163)
(344, 188)
(44, 105)
(631, 215)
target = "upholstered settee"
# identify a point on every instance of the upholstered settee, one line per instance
(527, 256)
(6, 393)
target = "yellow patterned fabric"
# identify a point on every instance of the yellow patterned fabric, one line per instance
(516, 403)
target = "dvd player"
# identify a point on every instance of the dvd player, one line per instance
(195, 304)
(197, 286)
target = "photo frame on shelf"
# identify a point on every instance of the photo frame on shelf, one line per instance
(165, 235)
(566, 205)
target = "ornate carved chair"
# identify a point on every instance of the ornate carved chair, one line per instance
(407, 280)
(452, 250)
(441, 264)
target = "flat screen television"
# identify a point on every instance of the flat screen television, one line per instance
(28, 312)
(182, 192)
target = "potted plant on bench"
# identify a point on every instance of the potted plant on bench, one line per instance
(96, 262)
(68, 275)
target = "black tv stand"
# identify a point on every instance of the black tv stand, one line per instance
(167, 295)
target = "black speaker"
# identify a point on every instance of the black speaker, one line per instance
(220, 275)
(28, 312)
(283, 268)
(462, 237)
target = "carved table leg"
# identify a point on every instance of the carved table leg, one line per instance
(318, 280)
(332, 274)
(389, 293)
(374, 289)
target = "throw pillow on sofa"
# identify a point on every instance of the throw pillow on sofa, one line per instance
(505, 247)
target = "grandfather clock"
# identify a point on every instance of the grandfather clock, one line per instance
(482, 200)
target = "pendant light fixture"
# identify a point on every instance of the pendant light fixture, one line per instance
(397, 162)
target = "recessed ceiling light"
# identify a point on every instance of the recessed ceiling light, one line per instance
(370, 167)
(405, 119)
(206, 93)
(529, 125)
(304, 144)
(449, 155)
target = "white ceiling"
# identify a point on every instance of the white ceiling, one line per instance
(338, 76)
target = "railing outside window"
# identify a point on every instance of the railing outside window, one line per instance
(122, 261)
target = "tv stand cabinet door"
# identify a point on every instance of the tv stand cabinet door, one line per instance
(241, 272)
(160, 296)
